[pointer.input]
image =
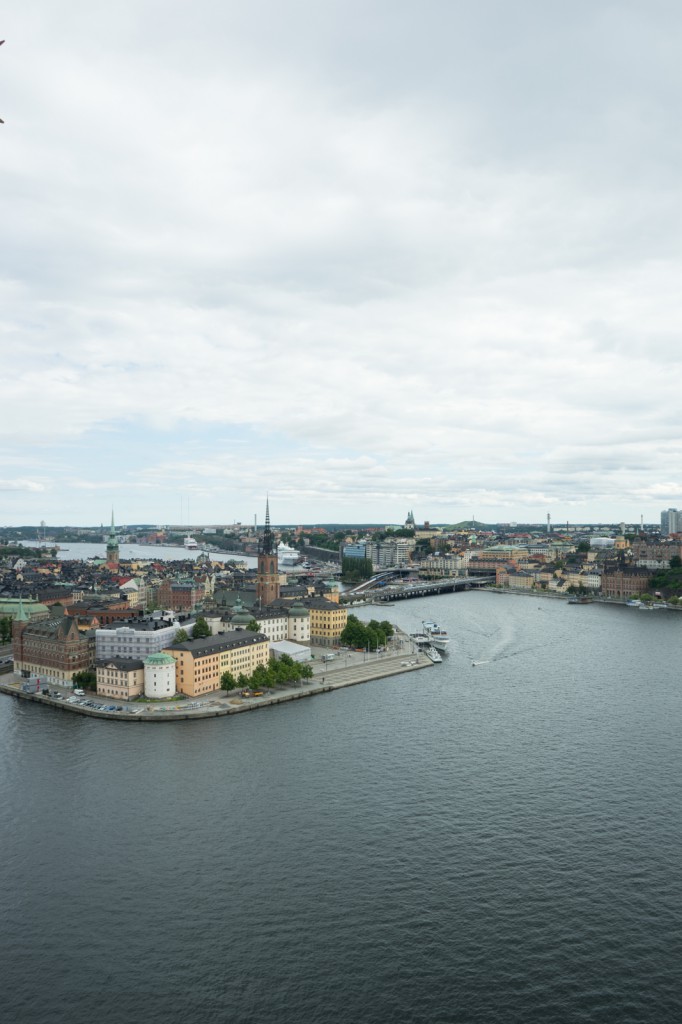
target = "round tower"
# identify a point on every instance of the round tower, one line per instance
(159, 676)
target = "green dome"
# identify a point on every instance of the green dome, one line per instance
(240, 615)
(298, 610)
(159, 659)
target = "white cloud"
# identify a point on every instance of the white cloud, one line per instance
(409, 265)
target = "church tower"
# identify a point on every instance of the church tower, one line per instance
(267, 579)
(112, 547)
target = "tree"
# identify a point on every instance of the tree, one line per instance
(181, 636)
(5, 629)
(253, 626)
(676, 562)
(201, 628)
(227, 681)
(87, 677)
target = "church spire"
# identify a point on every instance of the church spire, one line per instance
(268, 540)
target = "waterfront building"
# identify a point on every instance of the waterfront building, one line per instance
(201, 663)
(159, 676)
(439, 566)
(327, 621)
(122, 678)
(51, 648)
(624, 581)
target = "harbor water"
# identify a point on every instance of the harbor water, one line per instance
(497, 842)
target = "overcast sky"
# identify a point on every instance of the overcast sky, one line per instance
(367, 256)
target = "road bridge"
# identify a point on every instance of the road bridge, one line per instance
(404, 591)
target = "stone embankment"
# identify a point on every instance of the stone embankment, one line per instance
(334, 675)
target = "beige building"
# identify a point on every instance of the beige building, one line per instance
(122, 678)
(201, 663)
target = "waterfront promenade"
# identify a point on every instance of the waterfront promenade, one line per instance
(347, 668)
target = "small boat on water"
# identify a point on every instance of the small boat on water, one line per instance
(423, 643)
(580, 600)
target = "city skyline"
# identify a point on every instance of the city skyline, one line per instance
(362, 258)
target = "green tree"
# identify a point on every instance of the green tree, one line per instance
(355, 569)
(201, 628)
(676, 562)
(5, 629)
(87, 677)
(181, 636)
(253, 626)
(227, 681)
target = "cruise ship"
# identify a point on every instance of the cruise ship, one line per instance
(438, 637)
(190, 543)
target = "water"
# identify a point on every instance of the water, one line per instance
(131, 552)
(499, 843)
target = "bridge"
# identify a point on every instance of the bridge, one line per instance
(423, 588)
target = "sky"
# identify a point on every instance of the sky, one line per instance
(362, 257)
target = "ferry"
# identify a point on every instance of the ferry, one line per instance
(438, 637)
(190, 543)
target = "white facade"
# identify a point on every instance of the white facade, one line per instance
(159, 676)
(138, 639)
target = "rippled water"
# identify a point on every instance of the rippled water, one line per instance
(499, 843)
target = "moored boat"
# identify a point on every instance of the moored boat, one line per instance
(438, 637)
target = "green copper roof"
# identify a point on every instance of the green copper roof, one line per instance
(159, 659)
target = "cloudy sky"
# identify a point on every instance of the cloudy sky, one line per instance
(367, 256)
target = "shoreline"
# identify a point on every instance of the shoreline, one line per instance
(222, 704)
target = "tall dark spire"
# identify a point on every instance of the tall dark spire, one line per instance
(268, 546)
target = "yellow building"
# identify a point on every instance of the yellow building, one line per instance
(327, 621)
(200, 663)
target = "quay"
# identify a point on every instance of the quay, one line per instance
(344, 670)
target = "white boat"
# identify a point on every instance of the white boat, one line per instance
(634, 603)
(190, 543)
(287, 555)
(423, 644)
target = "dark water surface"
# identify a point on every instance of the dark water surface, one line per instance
(499, 843)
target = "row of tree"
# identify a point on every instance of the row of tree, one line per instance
(368, 635)
(279, 672)
(353, 570)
